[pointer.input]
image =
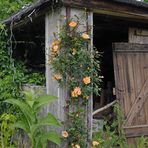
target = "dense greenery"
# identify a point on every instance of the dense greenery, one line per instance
(6, 130)
(7, 7)
(13, 74)
(73, 64)
(32, 123)
(113, 136)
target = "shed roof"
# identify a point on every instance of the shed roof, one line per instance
(41, 6)
(134, 3)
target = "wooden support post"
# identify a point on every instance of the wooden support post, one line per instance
(52, 25)
(53, 22)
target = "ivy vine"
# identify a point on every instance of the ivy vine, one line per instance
(13, 74)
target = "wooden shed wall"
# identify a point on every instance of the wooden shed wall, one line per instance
(52, 24)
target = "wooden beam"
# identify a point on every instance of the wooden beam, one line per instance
(136, 131)
(134, 47)
(58, 108)
(111, 8)
(103, 108)
(138, 104)
(29, 14)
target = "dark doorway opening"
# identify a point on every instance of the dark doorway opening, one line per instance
(29, 44)
(107, 30)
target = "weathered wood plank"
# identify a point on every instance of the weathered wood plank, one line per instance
(138, 104)
(110, 8)
(29, 13)
(52, 24)
(136, 131)
(131, 74)
(137, 35)
(130, 47)
(89, 24)
(103, 108)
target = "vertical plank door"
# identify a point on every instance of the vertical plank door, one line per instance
(131, 80)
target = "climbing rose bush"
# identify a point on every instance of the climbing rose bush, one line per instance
(76, 66)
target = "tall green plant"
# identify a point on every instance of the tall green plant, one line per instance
(6, 131)
(33, 124)
(142, 142)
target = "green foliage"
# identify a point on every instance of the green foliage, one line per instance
(35, 78)
(142, 142)
(77, 131)
(74, 61)
(113, 136)
(10, 76)
(6, 132)
(13, 74)
(7, 7)
(32, 123)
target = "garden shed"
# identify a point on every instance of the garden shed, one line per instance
(117, 28)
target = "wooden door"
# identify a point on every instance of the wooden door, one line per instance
(131, 80)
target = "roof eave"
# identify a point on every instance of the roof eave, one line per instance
(128, 9)
(31, 12)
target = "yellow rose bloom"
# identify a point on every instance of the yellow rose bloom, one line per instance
(56, 42)
(73, 24)
(73, 94)
(95, 143)
(76, 92)
(65, 134)
(86, 80)
(57, 77)
(85, 36)
(77, 146)
(74, 51)
(55, 48)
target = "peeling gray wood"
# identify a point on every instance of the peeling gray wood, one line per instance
(130, 47)
(137, 35)
(52, 24)
(90, 101)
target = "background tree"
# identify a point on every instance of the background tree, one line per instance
(8, 7)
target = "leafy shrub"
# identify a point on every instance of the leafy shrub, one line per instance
(13, 74)
(112, 136)
(7, 7)
(6, 131)
(35, 78)
(32, 123)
